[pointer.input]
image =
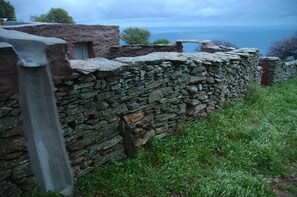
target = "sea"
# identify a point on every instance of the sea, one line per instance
(260, 37)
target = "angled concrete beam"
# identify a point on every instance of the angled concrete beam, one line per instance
(43, 132)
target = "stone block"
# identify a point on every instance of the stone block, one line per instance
(4, 111)
(195, 110)
(79, 86)
(4, 174)
(132, 105)
(164, 117)
(12, 132)
(145, 138)
(12, 145)
(21, 171)
(133, 118)
(154, 84)
(117, 154)
(104, 95)
(162, 129)
(6, 165)
(106, 144)
(8, 123)
(195, 79)
(88, 95)
(158, 94)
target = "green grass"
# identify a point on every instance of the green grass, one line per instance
(292, 189)
(235, 152)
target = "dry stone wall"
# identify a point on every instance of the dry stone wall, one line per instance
(147, 96)
(109, 107)
(274, 70)
(138, 50)
(15, 169)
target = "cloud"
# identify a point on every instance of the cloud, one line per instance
(165, 12)
(206, 12)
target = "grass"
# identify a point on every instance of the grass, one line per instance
(235, 152)
(288, 188)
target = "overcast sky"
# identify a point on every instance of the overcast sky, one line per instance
(147, 13)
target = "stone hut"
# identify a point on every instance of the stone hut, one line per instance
(83, 41)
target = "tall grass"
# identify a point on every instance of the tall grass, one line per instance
(235, 152)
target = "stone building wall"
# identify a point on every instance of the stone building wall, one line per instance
(99, 38)
(102, 41)
(109, 108)
(274, 70)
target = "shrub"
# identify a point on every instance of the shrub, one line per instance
(161, 41)
(55, 15)
(285, 49)
(7, 10)
(135, 35)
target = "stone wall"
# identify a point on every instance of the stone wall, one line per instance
(274, 70)
(108, 108)
(138, 50)
(106, 113)
(15, 170)
(98, 37)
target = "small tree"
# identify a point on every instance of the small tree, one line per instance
(7, 11)
(161, 41)
(55, 15)
(285, 49)
(135, 35)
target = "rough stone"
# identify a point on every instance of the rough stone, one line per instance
(196, 109)
(4, 174)
(95, 64)
(12, 145)
(135, 117)
(8, 123)
(106, 144)
(148, 135)
(21, 171)
(100, 84)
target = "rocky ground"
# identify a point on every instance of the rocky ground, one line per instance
(286, 186)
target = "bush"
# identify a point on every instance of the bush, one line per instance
(135, 35)
(55, 15)
(161, 41)
(7, 10)
(285, 49)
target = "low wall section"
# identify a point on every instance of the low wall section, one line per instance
(274, 70)
(138, 50)
(107, 108)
